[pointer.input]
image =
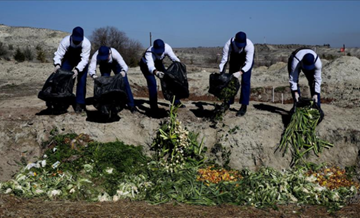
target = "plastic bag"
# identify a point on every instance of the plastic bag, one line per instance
(224, 86)
(109, 94)
(175, 82)
(58, 87)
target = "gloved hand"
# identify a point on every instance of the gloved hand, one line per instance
(297, 96)
(237, 74)
(160, 74)
(56, 68)
(315, 98)
(76, 72)
(94, 76)
(122, 73)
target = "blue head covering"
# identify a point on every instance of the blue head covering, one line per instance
(240, 39)
(77, 34)
(103, 53)
(308, 62)
(159, 46)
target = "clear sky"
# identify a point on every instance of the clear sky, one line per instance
(198, 23)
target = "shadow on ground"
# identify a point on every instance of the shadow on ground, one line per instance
(161, 113)
(285, 115)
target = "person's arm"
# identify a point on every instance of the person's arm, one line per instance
(317, 76)
(225, 56)
(61, 50)
(169, 52)
(294, 75)
(85, 55)
(150, 61)
(93, 64)
(117, 56)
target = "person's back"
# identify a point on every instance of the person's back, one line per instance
(109, 59)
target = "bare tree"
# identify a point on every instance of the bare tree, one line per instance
(112, 37)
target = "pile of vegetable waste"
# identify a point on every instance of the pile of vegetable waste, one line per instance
(300, 135)
(74, 167)
(226, 95)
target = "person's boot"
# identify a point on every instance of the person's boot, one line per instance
(79, 108)
(242, 111)
(133, 109)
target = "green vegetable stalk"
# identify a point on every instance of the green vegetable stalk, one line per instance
(300, 135)
(226, 94)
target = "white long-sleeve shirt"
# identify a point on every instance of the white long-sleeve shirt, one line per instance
(296, 66)
(150, 57)
(64, 45)
(249, 50)
(114, 56)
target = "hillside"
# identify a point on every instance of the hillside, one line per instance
(204, 57)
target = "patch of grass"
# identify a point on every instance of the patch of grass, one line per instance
(234, 130)
(3, 50)
(281, 89)
(257, 90)
(40, 54)
(19, 55)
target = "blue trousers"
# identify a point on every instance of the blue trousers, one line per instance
(237, 61)
(245, 88)
(105, 70)
(81, 80)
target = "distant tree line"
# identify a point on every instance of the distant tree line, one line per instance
(131, 50)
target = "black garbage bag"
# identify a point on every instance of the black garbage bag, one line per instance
(175, 82)
(58, 89)
(224, 86)
(109, 94)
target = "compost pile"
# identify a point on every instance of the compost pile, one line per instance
(300, 134)
(74, 167)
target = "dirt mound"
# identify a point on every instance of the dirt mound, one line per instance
(252, 139)
(31, 38)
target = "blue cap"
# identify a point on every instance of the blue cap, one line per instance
(103, 53)
(308, 62)
(78, 34)
(159, 46)
(240, 39)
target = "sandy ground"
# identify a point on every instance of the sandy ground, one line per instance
(253, 144)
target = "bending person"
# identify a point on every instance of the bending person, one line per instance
(109, 59)
(239, 52)
(152, 64)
